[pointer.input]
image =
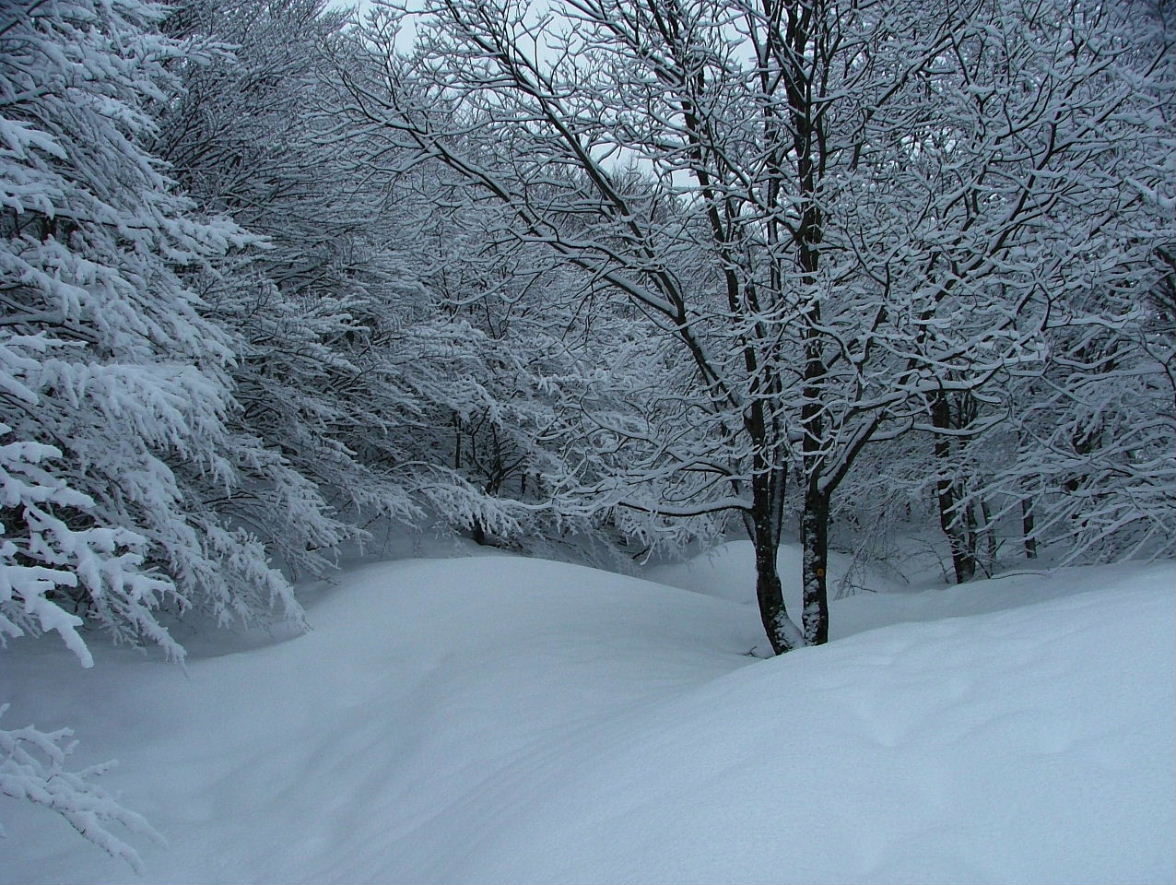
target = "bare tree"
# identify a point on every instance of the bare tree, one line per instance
(832, 208)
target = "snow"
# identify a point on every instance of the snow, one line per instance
(507, 719)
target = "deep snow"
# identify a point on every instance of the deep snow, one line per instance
(505, 719)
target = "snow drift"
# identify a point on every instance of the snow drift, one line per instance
(503, 719)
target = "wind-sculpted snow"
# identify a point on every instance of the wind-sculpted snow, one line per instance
(1026, 745)
(503, 719)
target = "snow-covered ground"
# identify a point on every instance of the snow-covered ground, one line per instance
(499, 719)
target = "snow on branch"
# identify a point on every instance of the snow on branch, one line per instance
(32, 768)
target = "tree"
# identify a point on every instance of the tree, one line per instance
(1088, 454)
(380, 348)
(42, 559)
(831, 216)
(114, 388)
(297, 298)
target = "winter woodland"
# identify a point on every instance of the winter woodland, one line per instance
(603, 281)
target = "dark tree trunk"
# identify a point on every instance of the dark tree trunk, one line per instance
(814, 521)
(809, 145)
(478, 533)
(960, 537)
(783, 634)
(954, 519)
(814, 536)
(1028, 528)
(767, 497)
(989, 538)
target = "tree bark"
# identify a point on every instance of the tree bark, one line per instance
(953, 518)
(960, 538)
(989, 538)
(1029, 528)
(783, 634)
(814, 535)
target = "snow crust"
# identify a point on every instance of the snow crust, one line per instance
(493, 719)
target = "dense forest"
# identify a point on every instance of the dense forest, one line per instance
(598, 280)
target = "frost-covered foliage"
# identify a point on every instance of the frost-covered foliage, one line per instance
(44, 562)
(114, 389)
(401, 355)
(33, 768)
(1038, 192)
(514, 381)
(852, 222)
(240, 139)
(127, 379)
(1068, 158)
(334, 370)
(1097, 430)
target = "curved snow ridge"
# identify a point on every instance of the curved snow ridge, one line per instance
(1030, 745)
(1011, 590)
(503, 719)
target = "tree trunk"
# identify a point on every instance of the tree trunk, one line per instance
(1029, 528)
(782, 633)
(954, 519)
(814, 536)
(989, 538)
(955, 524)
(814, 521)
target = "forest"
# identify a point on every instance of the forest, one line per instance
(606, 282)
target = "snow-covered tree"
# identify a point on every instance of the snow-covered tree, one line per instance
(388, 348)
(44, 561)
(325, 308)
(841, 214)
(114, 385)
(134, 390)
(1056, 167)
(240, 140)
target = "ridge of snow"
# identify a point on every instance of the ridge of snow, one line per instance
(503, 719)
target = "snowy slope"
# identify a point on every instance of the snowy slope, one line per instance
(501, 719)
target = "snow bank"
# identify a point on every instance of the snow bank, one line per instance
(501, 719)
(1033, 745)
